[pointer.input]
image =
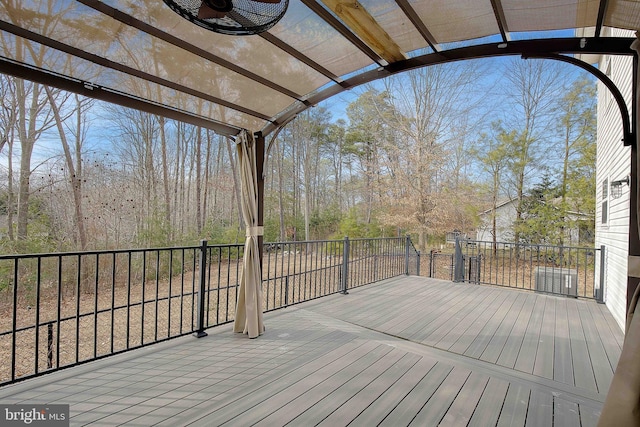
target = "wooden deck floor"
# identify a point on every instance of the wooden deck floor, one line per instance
(407, 351)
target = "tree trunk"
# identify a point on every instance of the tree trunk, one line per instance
(236, 184)
(27, 142)
(75, 176)
(279, 160)
(165, 177)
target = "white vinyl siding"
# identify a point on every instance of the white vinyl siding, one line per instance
(613, 162)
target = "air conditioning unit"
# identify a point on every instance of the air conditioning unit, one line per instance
(557, 280)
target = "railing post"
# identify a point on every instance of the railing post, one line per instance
(600, 293)
(199, 333)
(286, 291)
(431, 257)
(407, 245)
(345, 267)
(458, 265)
(417, 263)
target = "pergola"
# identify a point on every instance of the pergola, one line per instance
(141, 54)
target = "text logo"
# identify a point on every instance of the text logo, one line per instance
(34, 415)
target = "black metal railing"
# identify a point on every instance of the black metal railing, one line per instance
(441, 265)
(561, 270)
(59, 310)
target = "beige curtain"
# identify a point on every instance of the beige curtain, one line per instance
(248, 318)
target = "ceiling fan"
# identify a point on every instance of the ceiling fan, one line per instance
(232, 17)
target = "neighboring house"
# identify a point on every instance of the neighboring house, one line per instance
(505, 214)
(613, 163)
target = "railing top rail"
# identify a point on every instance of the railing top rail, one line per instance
(117, 251)
(174, 248)
(351, 239)
(532, 245)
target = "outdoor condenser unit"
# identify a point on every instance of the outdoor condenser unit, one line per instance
(557, 280)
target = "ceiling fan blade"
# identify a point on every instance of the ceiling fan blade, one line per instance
(205, 12)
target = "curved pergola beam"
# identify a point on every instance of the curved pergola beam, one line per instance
(628, 130)
(525, 48)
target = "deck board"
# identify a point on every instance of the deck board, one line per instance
(375, 390)
(514, 409)
(467, 338)
(602, 366)
(563, 359)
(361, 360)
(464, 333)
(609, 341)
(583, 372)
(465, 403)
(498, 340)
(544, 361)
(380, 407)
(509, 355)
(527, 352)
(540, 410)
(485, 413)
(435, 409)
(405, 411)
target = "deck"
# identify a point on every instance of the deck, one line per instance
(406, 351)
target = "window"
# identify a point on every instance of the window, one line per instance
(605, 201)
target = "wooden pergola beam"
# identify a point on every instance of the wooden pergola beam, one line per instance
(367, 28)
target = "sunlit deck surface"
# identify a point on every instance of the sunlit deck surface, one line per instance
(406, 351)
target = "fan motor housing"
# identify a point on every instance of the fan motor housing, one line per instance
(231, 17)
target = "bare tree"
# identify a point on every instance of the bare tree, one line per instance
(532, 89)
(73, 160)
(429, 106)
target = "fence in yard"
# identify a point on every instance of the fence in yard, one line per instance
(569, 271)
(58, 310)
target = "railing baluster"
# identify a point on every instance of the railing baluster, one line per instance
(203, 276)
(78, 284)
(169, 293)
(59, 311)
(129, 265)
(113, 297)
(345, 267)
(14, 320)
(157, 285)
(142, 298)
(95, 306)
(37, 323)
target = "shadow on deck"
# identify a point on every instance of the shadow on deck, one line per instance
(409, 350)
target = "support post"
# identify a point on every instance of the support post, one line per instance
(431, 257)
(633, 270)
(417, 263)
(458, 264)
(345, 267)
(407, 248)
(260, 152)
(199, 333)
(600, 293)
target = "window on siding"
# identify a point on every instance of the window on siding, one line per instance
(605, 201)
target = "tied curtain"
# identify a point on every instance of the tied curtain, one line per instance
(248, 318)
